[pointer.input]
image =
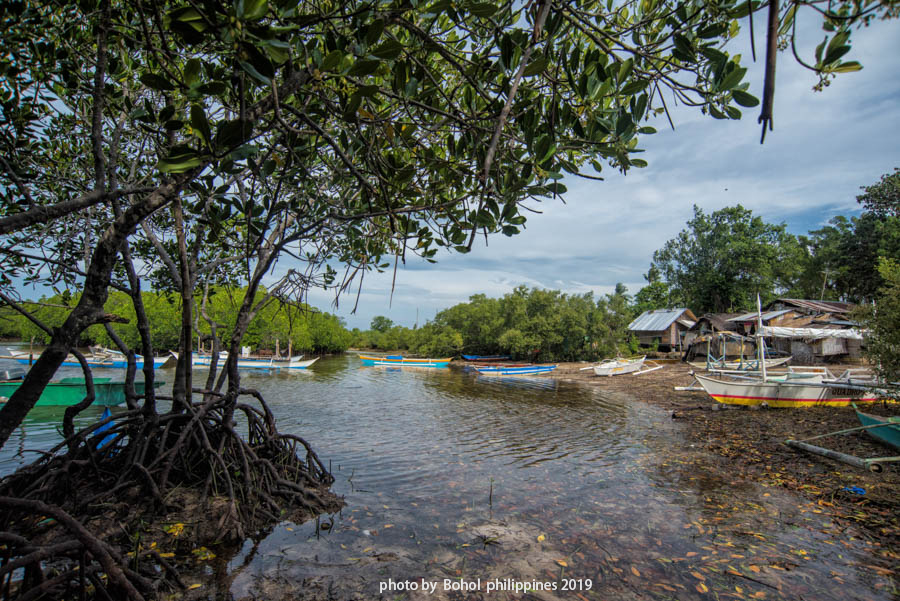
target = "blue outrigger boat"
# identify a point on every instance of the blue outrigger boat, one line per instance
(529, 370)
(401, 361)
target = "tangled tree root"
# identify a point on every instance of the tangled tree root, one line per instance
(74, 523)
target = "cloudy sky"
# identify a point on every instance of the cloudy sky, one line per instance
(824, 147)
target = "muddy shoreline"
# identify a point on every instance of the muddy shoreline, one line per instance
(747, 444)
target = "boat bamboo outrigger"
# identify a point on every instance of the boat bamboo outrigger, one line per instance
(884, 429)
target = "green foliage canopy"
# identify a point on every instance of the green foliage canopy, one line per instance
(305, 328)
(721, 260)
(530, 324)
(883, 324)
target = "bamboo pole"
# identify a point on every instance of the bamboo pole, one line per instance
(873, 465)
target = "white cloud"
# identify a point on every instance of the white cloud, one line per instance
(823, 148)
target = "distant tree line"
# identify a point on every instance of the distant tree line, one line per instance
(527, 324)
(302, 328)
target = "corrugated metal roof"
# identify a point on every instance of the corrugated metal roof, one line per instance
(765, 316)
(655, 321)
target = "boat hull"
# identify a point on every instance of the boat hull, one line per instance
(369, 360)
(782, 394)
(515, 371)
(107, 359)
(71, 391)
(294, 364)
(618, 367)
(887, 431)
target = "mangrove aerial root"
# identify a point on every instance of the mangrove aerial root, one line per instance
(79, 521)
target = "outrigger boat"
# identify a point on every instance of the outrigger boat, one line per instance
(615, 367)
(472, 366)
(528, 370)
(296, 362)
(97, 357)
(119, 359)
(486, 358)
(793, 388)
(401, 361)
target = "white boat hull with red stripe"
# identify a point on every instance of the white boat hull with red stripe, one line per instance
(786, 393)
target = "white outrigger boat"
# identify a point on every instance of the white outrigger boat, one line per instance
(615, 367)
(810, 387)
(295, 362)
(792, 389)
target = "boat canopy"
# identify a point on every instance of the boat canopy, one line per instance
(812, 333)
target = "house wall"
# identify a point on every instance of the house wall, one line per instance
(802, 353)
(828, 347)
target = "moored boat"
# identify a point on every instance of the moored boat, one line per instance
(885, 429)
(198, 360)
(71, 391)
(615, 367)
(296, 362)
(119, 359)
(789, 390)
(528, 370)
(486, 358)
(401, 361)
(475, 365)
(96, 357)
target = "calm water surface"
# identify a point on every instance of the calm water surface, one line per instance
(448, 475)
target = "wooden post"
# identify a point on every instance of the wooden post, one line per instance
(277, 348)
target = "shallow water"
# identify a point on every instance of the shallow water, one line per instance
(453, 478)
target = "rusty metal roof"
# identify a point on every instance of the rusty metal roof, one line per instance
(657, 320)
(814, 305)
(718, 320)
(765, 316)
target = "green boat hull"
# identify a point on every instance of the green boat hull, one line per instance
(71, 391)
(888, 434)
